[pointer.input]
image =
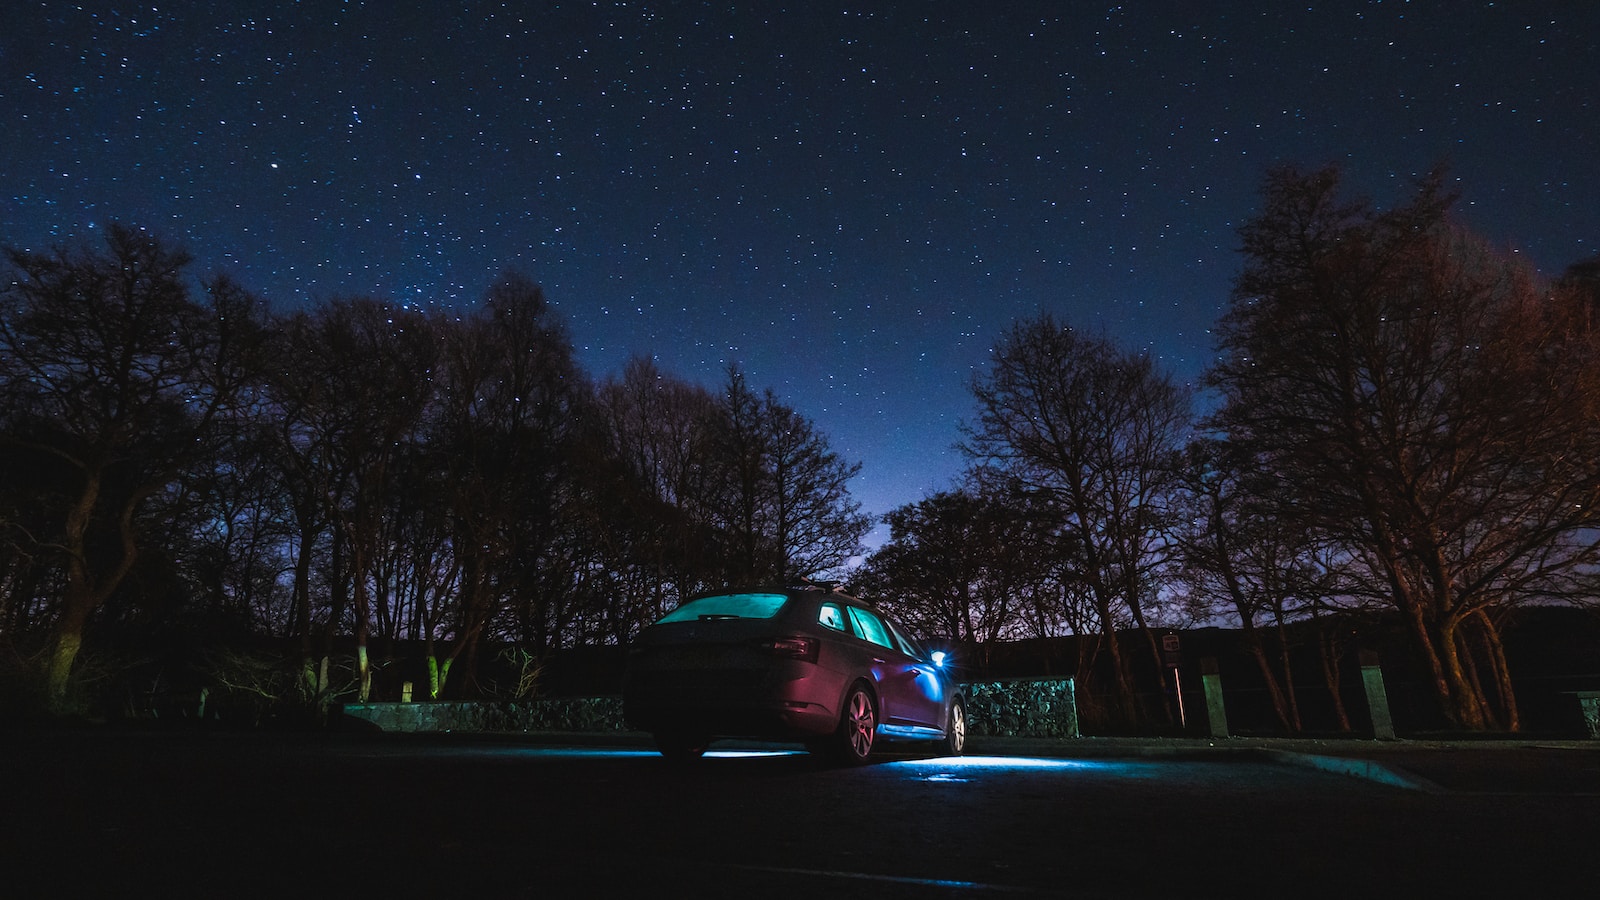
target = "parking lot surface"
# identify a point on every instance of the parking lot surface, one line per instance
(203, 813)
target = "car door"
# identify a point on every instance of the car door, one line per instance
(908, 690)
(933, 683)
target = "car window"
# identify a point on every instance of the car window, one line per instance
(832, 616)
(728, 606)
(871, 627)
(907, 645)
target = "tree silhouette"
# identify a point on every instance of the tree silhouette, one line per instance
(1240, 562)
(1425, 405)
(782, 493)
(971, 566)
(1095, 432)
(112, 377)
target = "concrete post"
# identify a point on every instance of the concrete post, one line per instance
(1216, 713)
(1377, 698)
(1071, 691)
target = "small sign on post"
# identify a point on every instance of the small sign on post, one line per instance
(1172, 658)
(1169, 651)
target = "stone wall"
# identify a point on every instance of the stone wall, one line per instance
(1589, 709)
(1023, 707)
(1020, 707)
(586, 714)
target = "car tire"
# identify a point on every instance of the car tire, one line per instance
(954, 742)
(858, 728)
(681, 747)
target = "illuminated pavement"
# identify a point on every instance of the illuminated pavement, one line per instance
(1516, 765)
(96, 813)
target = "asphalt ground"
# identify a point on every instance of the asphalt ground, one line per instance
(1477, 765)
(1489, 765)
(185, 811)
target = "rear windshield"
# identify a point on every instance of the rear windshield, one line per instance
(728, 606)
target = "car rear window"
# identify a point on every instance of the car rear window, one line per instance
(728, 606)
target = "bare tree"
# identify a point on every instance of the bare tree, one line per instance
(504, 444)
(653, 425)
(299, 446)
(816, 524)
(964, 565)
(237, 531)
(1239, 562)
(112, 374)
(357, 382)
(783, 494)
(1097, 433)
(1424, 404)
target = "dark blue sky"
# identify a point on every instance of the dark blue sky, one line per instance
(852, 201)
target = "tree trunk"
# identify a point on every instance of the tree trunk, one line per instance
(84, 593)
(359, 594)
(1280, 708)
(1286, 666)
(1502, 672)
(62, 656)
(1090, 709)
(1435, 646)
(1328, 650)
(1125, 704)
(1461, 702)
(438, 673)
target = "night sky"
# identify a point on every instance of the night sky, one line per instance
(851, 201)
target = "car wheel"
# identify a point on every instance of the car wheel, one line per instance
(955, 731)
(858, 728)
(681, 747)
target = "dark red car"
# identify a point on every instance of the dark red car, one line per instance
(807, 665)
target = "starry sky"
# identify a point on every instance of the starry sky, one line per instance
(851, 201)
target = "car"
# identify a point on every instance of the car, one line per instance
(810, 665)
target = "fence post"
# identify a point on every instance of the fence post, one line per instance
(1377, 698)
(1216, 712)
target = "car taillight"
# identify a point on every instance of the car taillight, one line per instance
(792, 647)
